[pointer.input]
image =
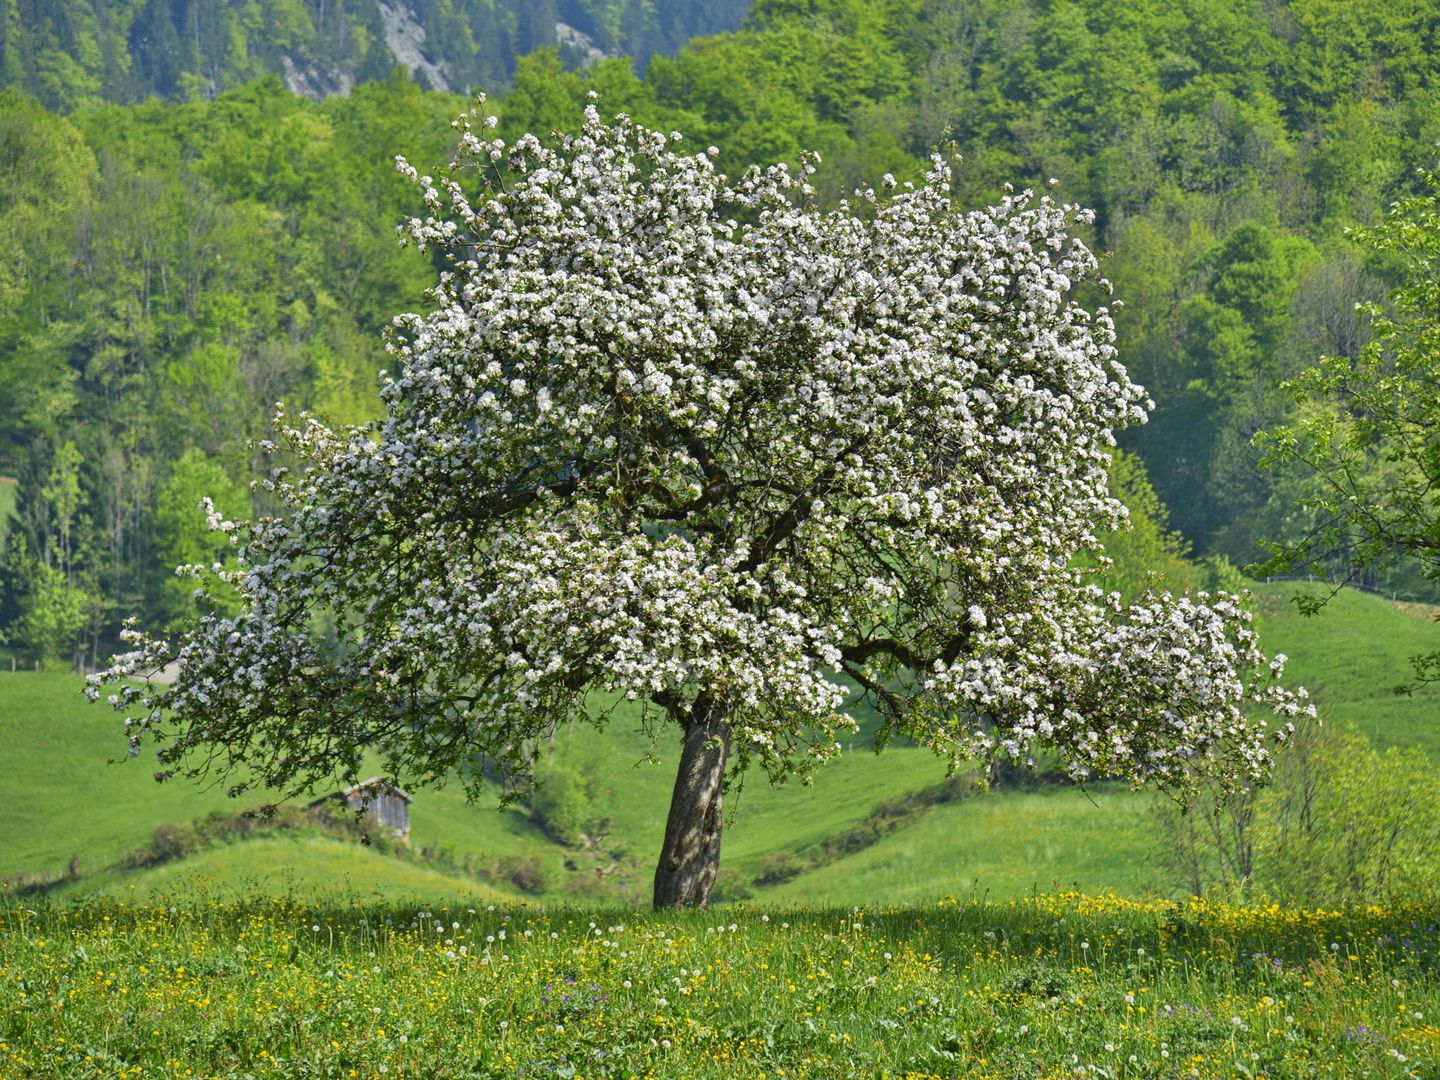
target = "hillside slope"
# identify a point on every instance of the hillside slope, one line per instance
(1350, 657)
(306, 868)
(63, 800)
(73, 54)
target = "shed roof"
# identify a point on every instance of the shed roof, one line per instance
(380, 782)
(386, 788)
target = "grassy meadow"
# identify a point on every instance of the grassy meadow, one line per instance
(1010, 934)
(1055, 986)
(70, 803)
(1352, 655)
(1008, 845)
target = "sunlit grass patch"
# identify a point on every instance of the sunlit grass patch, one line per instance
(304, 865)
(1051, 986)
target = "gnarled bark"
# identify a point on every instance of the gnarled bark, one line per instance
(690, 857)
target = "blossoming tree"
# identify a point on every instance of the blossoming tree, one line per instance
(741, 474)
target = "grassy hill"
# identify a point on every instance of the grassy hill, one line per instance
(67, 801)
(64, 800)
(306, 868)
(1007, 845)
(1352, 655)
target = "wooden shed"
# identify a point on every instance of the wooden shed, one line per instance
(388, 803)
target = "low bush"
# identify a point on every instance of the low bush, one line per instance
(175, 841)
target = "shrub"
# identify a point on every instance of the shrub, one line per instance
(561, 804)
(1347, 824)
(526, 874)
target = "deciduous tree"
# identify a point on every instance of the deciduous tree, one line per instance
(740, 473)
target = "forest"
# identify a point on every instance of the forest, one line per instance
(189, 240)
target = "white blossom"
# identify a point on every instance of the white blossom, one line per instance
(641, 451)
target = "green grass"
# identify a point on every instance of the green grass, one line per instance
(306, 868)
(61, 797)
(765, 820)
(67, 801)
(1351, 656)
(1006, 845)
(64, 799)
(201, 985)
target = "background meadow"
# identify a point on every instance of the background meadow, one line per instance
(872, 829)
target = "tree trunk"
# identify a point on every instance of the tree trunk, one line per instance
(690, 857)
